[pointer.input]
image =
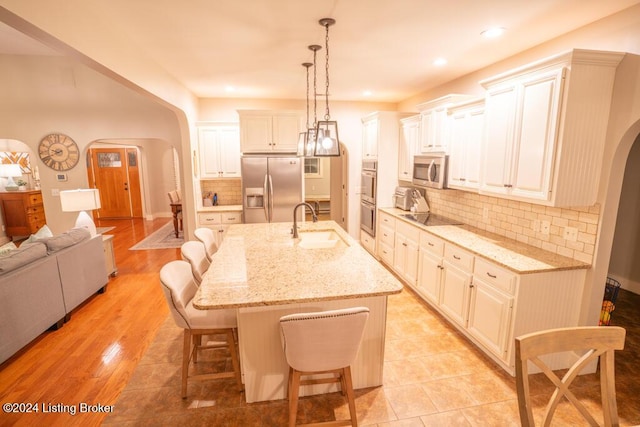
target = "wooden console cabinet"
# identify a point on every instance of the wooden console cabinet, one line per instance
(22, 212)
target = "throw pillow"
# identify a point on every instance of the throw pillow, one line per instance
(7, 248)
(40, 234)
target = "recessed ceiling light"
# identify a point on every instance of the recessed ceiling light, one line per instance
(493, 32)
(229, 89)
(367, 93)
(439, 62)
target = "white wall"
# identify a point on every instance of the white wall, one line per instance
(42, 95)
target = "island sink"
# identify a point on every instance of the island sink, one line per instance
(319, 239)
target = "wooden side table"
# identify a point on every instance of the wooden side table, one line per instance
(109, 255)
(22, 212)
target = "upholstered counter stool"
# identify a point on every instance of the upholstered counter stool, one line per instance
(194, 252)
(208, 238)
(179, 289)
(325, 342)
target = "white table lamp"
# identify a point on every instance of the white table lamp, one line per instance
(10, 171)
(81, 200)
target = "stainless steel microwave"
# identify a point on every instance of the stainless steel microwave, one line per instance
(430, 170)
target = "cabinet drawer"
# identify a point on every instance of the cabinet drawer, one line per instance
(458, 257)
(387, 220)
(431, 243)
(387, 236)
(497, 276)
(34, 199)
(35, 210)
(209, 218)
(231, 217)
(385, 252)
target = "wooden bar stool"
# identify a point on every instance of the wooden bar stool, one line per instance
(325, 342)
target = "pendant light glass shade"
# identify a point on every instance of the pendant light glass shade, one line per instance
(327, 142)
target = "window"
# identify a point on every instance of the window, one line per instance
(312, 168)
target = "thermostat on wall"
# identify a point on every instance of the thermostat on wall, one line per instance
(61, 176)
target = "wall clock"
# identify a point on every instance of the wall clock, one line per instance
(59, 152)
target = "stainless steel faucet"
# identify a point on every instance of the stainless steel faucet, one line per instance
(295, 217)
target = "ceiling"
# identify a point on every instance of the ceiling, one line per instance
(255, 48)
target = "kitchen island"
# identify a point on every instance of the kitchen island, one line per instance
(264, 273)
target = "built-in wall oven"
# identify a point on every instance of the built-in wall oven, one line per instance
(368, 197)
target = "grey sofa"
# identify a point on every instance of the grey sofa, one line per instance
(43, 282)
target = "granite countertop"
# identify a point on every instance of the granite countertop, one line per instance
(261, 264)
(511, 254)
(220, 208)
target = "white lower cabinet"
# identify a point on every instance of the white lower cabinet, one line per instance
(405, 259)
(486, 302)
(219, 221)
(368, 242)
(490, 317)
(386, 237)
(430, 267)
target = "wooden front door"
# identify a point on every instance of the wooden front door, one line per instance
(115, 172)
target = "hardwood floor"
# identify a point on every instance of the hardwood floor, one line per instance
(91, 358)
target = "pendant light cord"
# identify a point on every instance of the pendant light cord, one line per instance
(327, 115)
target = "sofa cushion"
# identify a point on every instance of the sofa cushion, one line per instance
(24, 255)
(66, 239)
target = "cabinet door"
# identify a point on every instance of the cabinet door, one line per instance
(370, 139)
(429, 275)
(498, 141)
(256, 133)
(286, 130)
(457, 152)
(536, 130)
(427, 131)
(454, 294)
(219, 152)
(229, 149)
(490, 317)
(405, 258)
(473, 152)
(409, 139)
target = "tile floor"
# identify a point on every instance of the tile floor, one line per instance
(433, 377)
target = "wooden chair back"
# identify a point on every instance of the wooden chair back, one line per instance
(597, 341)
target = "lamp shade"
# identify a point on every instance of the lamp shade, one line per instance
(80, 200)
(10, 171)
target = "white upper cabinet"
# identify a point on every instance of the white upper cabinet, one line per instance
(218, 151)
(466, 122)
(370, 128)
(434, 131)
(545, 128)
(408, 146)
(270, 131)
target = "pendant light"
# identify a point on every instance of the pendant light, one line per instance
(327, 142)
(311, 131)
(303, 151)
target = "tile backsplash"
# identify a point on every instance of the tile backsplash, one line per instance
(229, 190)
(571, 231)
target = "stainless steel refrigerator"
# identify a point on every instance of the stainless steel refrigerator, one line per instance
(271, 188)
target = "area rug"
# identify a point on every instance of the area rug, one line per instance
(163, 238)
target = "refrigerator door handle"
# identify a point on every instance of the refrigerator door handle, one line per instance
(268, 196)
(270, 199)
